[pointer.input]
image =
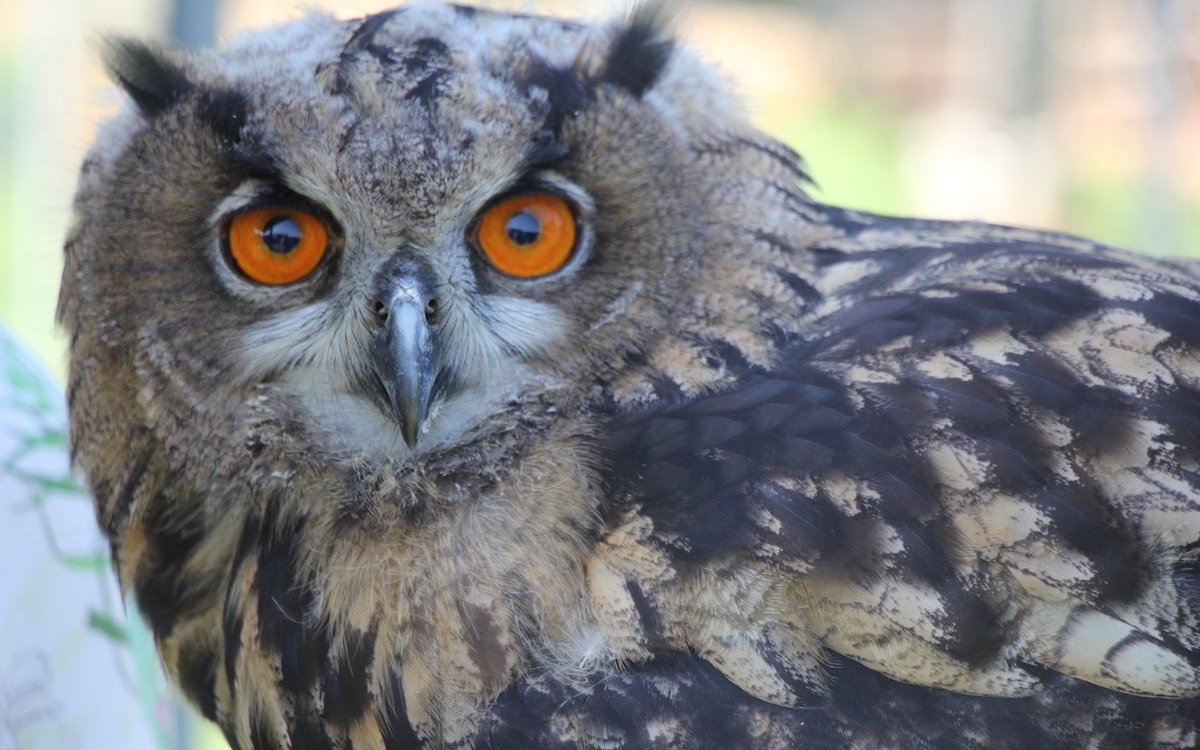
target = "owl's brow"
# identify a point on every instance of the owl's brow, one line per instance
(545, 151)
(255, 163)
(566, 93)
(635, 61)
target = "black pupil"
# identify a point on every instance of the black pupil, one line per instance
(523, 228)
(281, 235)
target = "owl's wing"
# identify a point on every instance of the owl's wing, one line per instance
(677, 700)
(977, 470)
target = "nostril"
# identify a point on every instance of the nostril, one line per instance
(431, 311)
(380, 310)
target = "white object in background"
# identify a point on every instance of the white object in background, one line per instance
(75, 672)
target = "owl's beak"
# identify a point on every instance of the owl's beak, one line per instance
(404, 356)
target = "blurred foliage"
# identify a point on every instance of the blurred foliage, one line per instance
(852, 149)
(1112, 210)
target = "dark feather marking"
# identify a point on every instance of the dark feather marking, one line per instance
(774, 150)
(248, 540)
(974, 631)
(1186, 574)
(427, 53)
(1087, 526)
(473, 11)
(813, 528)
(637, 56)
(133, 480)
(285, 602)
(1175, 314)
(824, 257)
(984, 408)
(647, 615)
(347, 136)
(362, 40)
(225, 112)
(428, 89)
(286, 629)
(780, 337)
(232, 622)
(232, 618)
(483, 639)
(1132, 639)
(1037, 374)
(715, 432)
(364, 36)
(254, 163)
(346, 681)
(793, 199)
(782, 154)
(566, 94)
(1038, 309)
(545, 151)
(164, 593)
(1102, 419)
(810, 694)
(152, 80)
(1097, 416)
(398, 732)
(688, 461)
(308, 731)
(797, 284)
(722, 354)
(851, 222)
(197, 668)
(667, 389)
(445, 382)
(72, 392)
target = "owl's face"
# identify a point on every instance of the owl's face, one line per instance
(405, 223)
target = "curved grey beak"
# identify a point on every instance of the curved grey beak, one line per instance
(404, 356)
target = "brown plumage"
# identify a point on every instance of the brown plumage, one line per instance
(743, 470)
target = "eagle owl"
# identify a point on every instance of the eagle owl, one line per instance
(453, 378)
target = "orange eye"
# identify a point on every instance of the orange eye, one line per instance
(277, 245)
(528, 235)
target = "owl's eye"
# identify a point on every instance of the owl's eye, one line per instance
(528, 235)
(276, 246)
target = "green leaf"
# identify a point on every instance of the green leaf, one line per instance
(104, 624)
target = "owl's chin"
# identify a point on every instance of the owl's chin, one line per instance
(366, 425)
(355, 413)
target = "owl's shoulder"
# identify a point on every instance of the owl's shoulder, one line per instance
(992, 426)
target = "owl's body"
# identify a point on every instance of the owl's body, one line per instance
(739, 470)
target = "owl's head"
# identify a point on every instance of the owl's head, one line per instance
(404, 225)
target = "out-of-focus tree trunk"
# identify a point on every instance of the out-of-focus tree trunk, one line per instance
(193, 23)
(1160, 212)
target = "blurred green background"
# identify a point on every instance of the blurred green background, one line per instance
(1080, 115)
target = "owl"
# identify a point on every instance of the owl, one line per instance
(449, 378)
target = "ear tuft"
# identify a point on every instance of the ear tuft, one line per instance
(640, 51)
(148, 75)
